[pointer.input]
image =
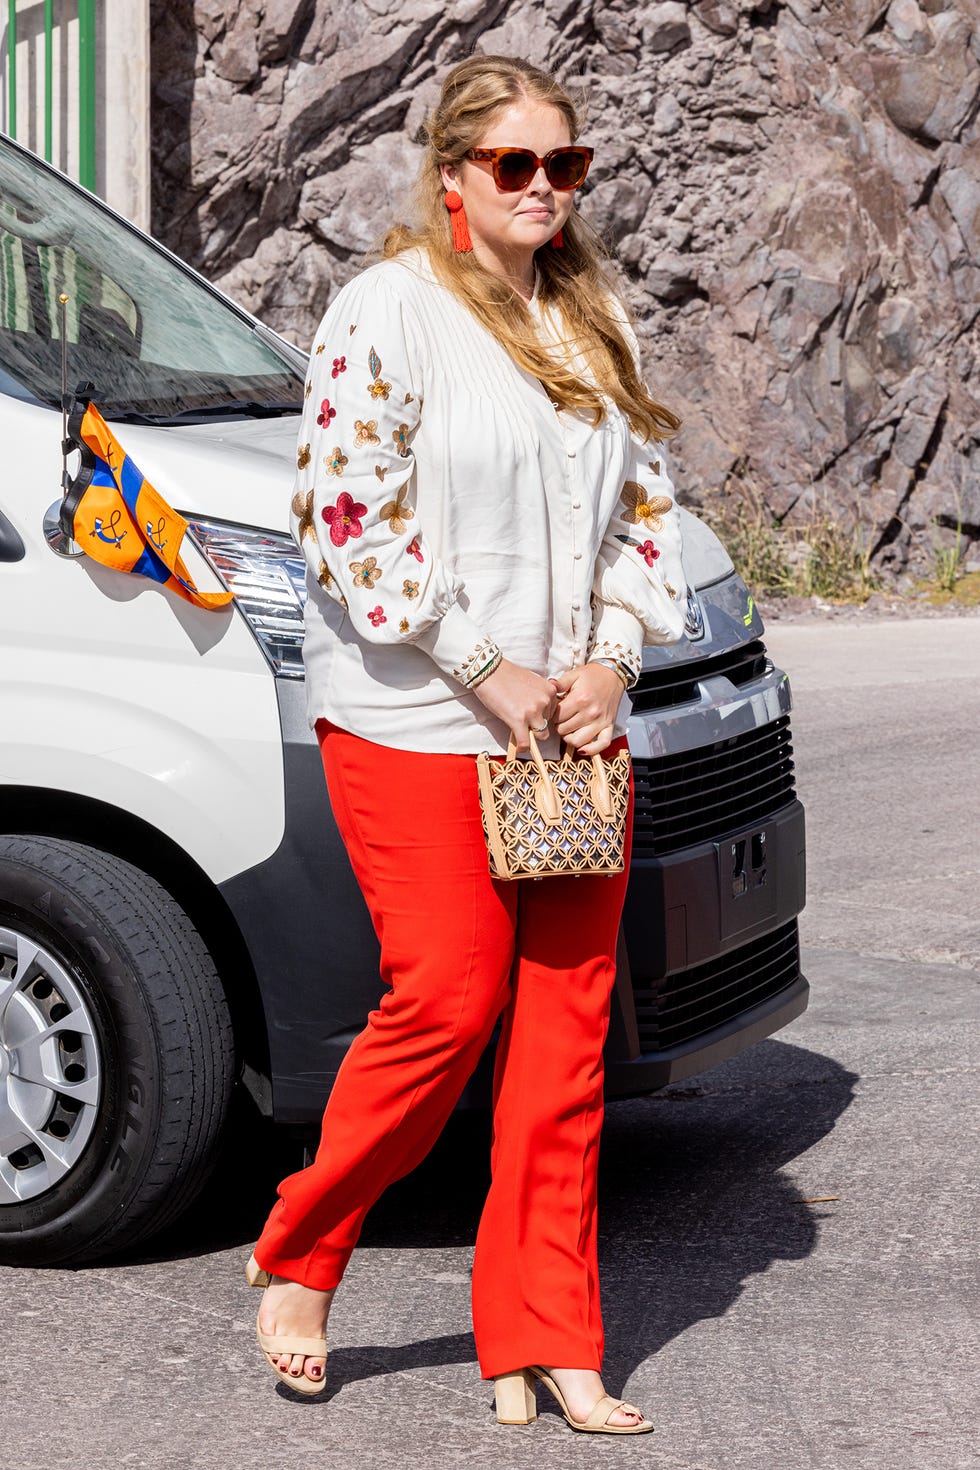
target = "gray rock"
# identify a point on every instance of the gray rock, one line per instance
(908, 24)
(619, 205)
(898, 335)
(960, 187)
(671, 276)
(730, 136)
(668, 117)
(935, 94)
(281, 20)
(346, 206)
(679, 232)
(666, 26)
(719, 16)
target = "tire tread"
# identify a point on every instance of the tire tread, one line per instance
(184, 997)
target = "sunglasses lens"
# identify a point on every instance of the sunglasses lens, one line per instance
(515, 171)
(566, 168)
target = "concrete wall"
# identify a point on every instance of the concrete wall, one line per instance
(122, 95)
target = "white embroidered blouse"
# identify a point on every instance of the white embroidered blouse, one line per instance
(446, 509)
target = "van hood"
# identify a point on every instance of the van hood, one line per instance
(242, 470)
(235, 470)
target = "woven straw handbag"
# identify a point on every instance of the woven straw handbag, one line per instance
(543, 817)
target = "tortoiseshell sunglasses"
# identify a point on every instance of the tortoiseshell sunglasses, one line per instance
(514, 168)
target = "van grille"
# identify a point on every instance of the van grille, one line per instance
(663, 687)
(699, 795)
(693, 1001)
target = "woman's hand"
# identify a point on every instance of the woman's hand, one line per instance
(522, 699)
(590, 697)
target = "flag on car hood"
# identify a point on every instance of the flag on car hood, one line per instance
(117, 517)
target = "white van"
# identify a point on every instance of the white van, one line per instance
(177, 915)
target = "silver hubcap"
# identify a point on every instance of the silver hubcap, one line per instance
(50, 1075)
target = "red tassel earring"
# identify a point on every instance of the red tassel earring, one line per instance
(557, 241)
(461, 230)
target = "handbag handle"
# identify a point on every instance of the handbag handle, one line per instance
(549, 802)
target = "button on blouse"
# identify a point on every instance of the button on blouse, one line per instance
(445, 510)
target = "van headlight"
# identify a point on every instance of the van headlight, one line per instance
(266, 573)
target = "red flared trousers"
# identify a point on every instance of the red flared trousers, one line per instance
(457, 949)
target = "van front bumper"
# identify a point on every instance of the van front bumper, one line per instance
(709, 961)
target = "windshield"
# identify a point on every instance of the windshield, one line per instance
(155, 341)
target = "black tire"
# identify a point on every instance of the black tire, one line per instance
(159, 1027)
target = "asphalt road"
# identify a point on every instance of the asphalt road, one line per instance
(789, 1245)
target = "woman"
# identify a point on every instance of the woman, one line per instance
(491, 538)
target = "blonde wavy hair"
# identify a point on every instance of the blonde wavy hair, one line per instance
(574, 278)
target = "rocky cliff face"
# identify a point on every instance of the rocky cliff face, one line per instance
(792, 186)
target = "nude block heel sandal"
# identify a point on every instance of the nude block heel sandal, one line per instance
(255, 1276)
(516, 1405)
(310, 1347)
(514, 1393)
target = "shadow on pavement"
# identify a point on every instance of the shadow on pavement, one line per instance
(693, 1202)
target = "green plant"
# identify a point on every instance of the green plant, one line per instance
(824, 556)
(947, 560)
(838, 560)
(740, 518)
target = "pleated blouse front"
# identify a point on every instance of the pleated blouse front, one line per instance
(445, 509)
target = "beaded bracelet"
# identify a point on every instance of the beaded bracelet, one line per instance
(486, 671)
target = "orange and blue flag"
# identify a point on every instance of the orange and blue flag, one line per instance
(114, 514)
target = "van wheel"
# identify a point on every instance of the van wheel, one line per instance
(116, 1054)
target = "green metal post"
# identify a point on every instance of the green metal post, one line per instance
(86, 93)
(48, 78)
(12, 68)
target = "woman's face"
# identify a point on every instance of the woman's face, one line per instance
(514, 223)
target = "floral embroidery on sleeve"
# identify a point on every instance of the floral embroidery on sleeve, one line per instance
(397, 513)
(365, 433)
(632, 603)
(377, 387)
(326, 582)
(320, 348)
(303, 509)
(344, 518)
(335, 461)
(366, 572)
(361, 420)
(641, 506)
(646, 549)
